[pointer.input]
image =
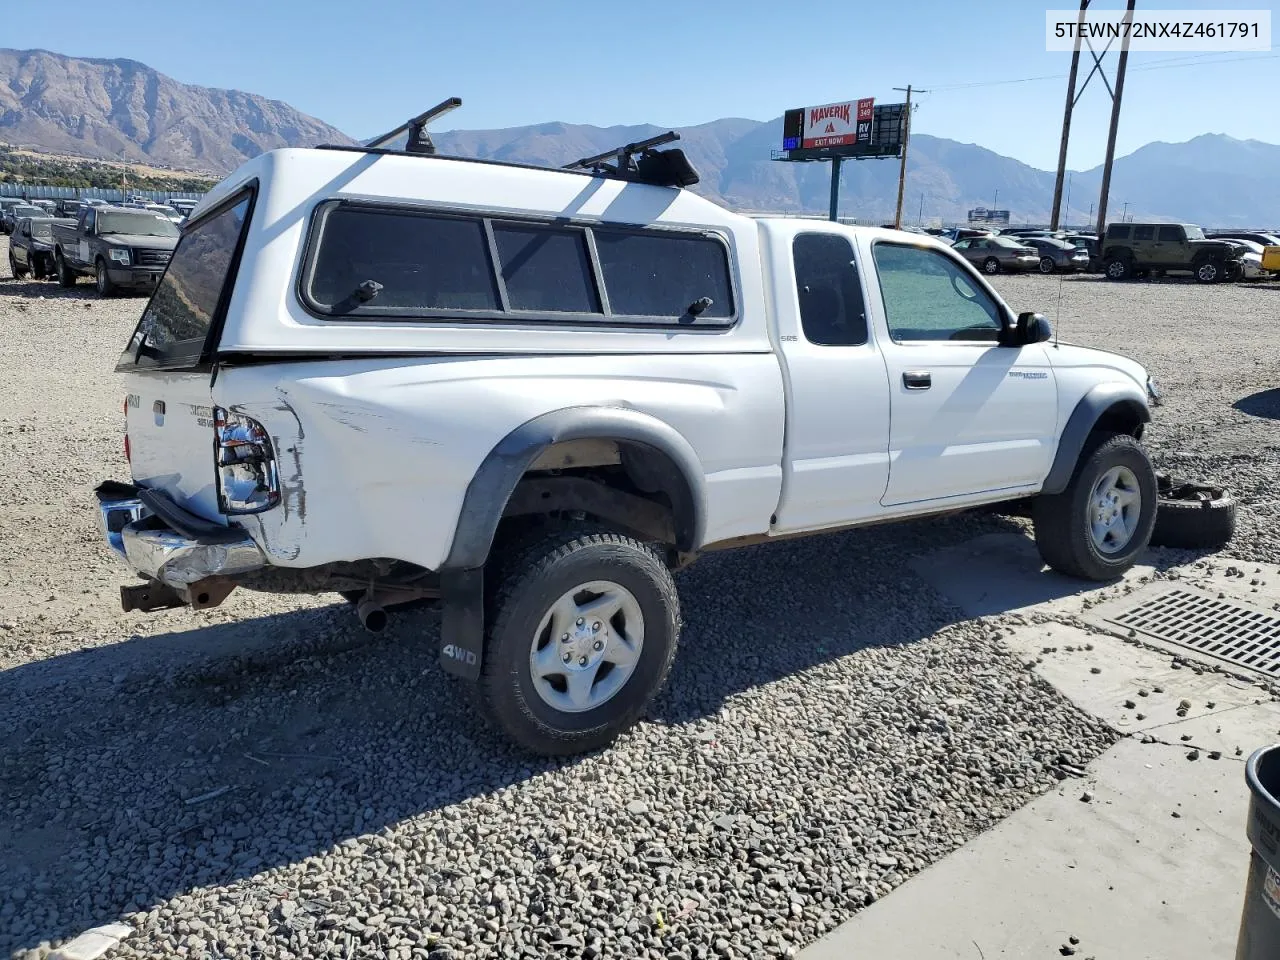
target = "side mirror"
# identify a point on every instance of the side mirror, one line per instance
(1032, 328)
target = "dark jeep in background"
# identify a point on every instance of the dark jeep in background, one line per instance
(117, 246)
(31, 247)
(1137, 250)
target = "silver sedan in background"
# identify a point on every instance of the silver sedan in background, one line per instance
(1057, 254)
(993, 254)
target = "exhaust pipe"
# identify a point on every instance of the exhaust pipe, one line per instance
(372, 615)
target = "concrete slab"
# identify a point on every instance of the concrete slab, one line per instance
(1121, 873)
(1154, 864)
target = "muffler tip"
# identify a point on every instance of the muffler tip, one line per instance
(372, 616)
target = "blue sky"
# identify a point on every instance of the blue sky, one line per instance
(367, 66)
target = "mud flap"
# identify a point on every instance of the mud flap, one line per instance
(462, 621)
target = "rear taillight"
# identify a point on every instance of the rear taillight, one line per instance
(248, 481)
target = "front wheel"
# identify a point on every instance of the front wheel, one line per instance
(583, 628)
(102, 280)
(991, 265)
(1098, 525)
(1209, 272)
(14, 269)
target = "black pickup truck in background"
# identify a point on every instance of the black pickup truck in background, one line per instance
(121, 248)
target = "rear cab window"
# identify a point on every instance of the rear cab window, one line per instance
(373, 261)
(179, 325)
(1118, 231)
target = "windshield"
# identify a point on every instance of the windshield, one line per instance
(41, 229)
(140, 224)
(1193, 233)
(22, 210)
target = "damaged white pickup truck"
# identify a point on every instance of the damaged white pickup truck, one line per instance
(531, 394)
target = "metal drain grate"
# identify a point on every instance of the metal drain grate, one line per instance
(1237, 635)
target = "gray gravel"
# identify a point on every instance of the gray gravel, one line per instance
(264, 779)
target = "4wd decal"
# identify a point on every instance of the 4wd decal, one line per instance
(1028, 374)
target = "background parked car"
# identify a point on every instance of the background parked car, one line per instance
(184, 207)
(1056, 255)
(1265, 239)
(993, 254)
(1089, 244)
(17, 211)
(48, 206)
(31, 247)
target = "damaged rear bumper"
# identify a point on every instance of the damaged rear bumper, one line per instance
(190, 556)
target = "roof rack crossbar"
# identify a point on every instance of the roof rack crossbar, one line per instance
(419, 140)
(623, 158)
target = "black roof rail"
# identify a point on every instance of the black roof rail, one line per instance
(634, 162)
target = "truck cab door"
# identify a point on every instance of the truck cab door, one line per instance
(970, 417)
(88, 220)
(836, 457)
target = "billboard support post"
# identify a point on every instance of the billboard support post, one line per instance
(835, 188)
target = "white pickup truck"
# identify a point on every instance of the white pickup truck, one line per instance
(531, 394)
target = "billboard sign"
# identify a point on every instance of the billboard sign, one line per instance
(832, 125)
(984, 215)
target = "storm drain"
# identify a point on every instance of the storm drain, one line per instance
(1236, 635)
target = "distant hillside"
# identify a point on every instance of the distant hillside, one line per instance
(121, 109)
(1213, 179)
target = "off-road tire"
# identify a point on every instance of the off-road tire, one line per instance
(521, 585)
(1062, 520)
(66, 276)
(1194, 516)
(14, 270)
(1117, 268)
(1047, 265)
(991, 266)
(1209, 271)
(1232, 270)
(102, 280)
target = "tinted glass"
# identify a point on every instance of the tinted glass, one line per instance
(1144, 233)
(23, 210)
(142, 223)
(929, 297)
(423, 262)
(546, 269)
(1171, 233)
(42, 229)
(181, 311)
(1118, 231)
(827, 290)
(662, 274)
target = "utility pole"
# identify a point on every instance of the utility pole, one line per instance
(1115, 121)
(902, 169)
(1066, 122)
(920, 215)
(835, 188)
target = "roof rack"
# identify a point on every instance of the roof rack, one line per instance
(419, 141)
(637, 162)
(640, 161)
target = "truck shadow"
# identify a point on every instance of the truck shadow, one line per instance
(49, 289)
(197, 758)
(1264, 403)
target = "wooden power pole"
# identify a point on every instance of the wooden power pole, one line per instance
(902, 168)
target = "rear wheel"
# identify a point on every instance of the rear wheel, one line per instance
(1117, 268)
(1046, 265)
(1098, 525)
(991, 265)
(66, 277)
(102, 280)
(583, 628)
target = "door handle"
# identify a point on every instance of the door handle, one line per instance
(917, 379)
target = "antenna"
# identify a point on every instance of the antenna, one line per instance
(419, 139)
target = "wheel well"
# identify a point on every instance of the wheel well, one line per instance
(623, 483)
(1125, 416)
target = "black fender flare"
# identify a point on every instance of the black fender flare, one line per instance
(1101, 400)
(462, 573)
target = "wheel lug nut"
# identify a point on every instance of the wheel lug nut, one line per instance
(597, 645)
(582, 661)
(566, 658)
(595, 626)
(564, 638)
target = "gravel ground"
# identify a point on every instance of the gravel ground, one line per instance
(265, 779)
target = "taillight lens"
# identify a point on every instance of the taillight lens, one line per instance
(248, 481)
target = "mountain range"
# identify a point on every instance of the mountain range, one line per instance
(122, 109)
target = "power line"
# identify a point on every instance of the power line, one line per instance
(1169, 63)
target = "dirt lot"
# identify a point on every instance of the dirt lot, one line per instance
(265, 779)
